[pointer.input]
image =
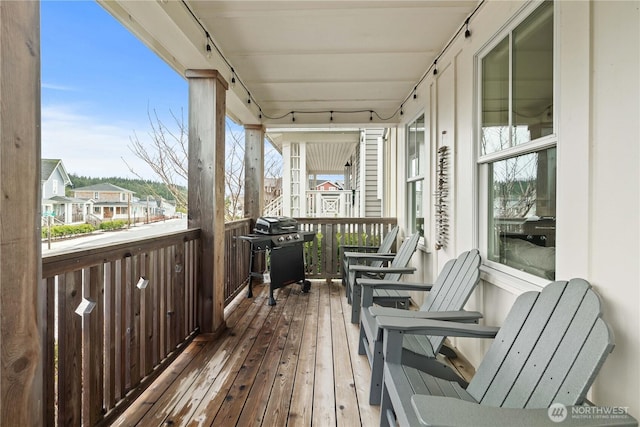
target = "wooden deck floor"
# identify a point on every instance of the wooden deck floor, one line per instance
(293, 364)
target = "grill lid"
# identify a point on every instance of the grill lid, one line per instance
(276, 225)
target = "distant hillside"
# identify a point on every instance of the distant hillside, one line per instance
(140, 187)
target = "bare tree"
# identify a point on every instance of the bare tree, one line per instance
(167, 155)
(234, 174)
(515, 185)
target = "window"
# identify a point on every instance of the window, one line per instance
(96, 195)
(55, 186)
(518, 145)
(415, 175)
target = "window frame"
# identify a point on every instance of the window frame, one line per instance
(419, 177)
(498, 273)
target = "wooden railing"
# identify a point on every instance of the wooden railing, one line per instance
(323, 255)
(118, 315)
(237, 255)
(115, 317)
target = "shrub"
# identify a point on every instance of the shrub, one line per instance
(60, 231)
(113, 225)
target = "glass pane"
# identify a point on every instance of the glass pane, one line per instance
(415, 208)
(533, 76)
(419, 143)
(415, 146)
(495, 99)
(523, 213)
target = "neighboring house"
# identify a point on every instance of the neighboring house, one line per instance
(328, 186)
(272, 189)
(153, 208)
(55, 204)
(108, 201)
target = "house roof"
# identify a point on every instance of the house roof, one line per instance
(48, 166)
(103, 187)
(63, 199)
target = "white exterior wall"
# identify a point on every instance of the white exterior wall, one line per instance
(597, 101)
(55, 180)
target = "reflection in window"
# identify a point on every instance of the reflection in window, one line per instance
(415, 174)
(517, 84)
(522, 213)
(416, 214)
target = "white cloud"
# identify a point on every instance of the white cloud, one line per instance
(89, 145)
(52, 86)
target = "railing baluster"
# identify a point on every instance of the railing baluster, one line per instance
(50, 350)
(69, 349)
(121, 328)
(110, 335)
(93, 346)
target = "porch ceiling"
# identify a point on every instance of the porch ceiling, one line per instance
(310, 57)
(327, 150)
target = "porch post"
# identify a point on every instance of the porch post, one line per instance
(286, 178)
(304, 180)
(253, 171)
(207, 105)
(22, 395)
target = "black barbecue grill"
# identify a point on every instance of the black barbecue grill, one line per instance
(281, 239)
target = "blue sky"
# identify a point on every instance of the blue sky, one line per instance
(98, 82)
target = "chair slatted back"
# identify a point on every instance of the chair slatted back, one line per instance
(453, 287)
(549, 349)
(403, 256)
(386, 245)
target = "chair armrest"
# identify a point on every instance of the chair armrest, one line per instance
(395, 284)
(441, 411)
(353, 248)
(435, 327)
(383, 270)
(369, 256)
(456, 316)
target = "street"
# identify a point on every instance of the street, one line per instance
(99, 238)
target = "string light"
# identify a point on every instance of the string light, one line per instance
(210, 45)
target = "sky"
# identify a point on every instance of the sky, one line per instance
(98, 84)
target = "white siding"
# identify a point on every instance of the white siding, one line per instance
(373, 205)
(597, 105)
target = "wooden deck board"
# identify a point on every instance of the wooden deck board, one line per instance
(300, 407)
(293, 364)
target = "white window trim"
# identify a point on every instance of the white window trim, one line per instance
(420, 177)
(501, 275)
